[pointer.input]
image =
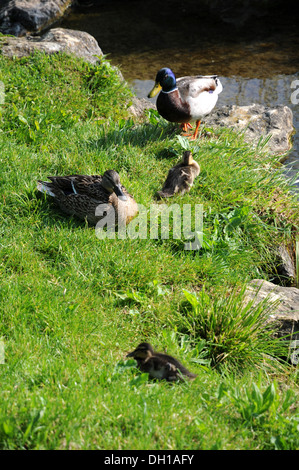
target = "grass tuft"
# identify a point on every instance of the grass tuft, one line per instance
(235, 331)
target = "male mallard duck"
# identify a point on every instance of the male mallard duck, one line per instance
(185, 99)
(80, 195)
(159, 365)
(180, 178)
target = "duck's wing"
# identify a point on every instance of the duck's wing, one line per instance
(88, 185)
(75, 190)
(75, 185)
(177, 364)
(192, 87)
(159, 368)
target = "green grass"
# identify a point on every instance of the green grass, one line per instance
(72, 305)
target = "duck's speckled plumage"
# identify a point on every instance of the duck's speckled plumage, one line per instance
(180, 178)
(159, 365)
(81, 195)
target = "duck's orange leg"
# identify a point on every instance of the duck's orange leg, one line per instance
(185, 126)
(195, 134)
(196, 130)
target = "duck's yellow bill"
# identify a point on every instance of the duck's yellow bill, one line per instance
(155, 90)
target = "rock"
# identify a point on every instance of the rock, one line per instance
(18, 17)
(257, 121)
(286, 264)
(79, 43)
(139, 106)
(285, 312)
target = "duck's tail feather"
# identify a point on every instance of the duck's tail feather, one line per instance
(163, 194)
(219, 86)
(44, 187)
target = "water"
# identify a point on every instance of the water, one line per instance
(254, 51)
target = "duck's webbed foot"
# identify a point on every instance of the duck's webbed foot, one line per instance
(185, 126)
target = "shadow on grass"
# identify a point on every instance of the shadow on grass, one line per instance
(129, 134)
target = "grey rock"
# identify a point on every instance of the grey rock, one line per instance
(285, 314)
(139, 106)
(257, 122)
(56, 40)
(287, 298)
(18, 17)
(286, 263)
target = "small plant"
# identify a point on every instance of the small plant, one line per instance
(257, 407)
(252, 403)
(235, 331)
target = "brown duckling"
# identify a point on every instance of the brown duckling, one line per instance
(180, 178)
(80, 195)
(159, 365)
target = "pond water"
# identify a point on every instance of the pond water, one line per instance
(254, 52)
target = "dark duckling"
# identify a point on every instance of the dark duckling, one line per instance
(159, 365)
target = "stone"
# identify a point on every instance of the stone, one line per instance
(18, 17)
(139, 106)
(286, 264)
(56, 40)
(257, 121)
(285, 313)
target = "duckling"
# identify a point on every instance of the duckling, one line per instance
(185, 99)
(180, 178)
(80, 195)
(158, 365)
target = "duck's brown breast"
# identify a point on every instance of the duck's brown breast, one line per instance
(171, 107)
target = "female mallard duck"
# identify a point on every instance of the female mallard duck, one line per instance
(185, 99)
(80, 195)
(180, 178)
(158, 365)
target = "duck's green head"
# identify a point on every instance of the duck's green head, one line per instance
(165, 81)
(111, 182)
